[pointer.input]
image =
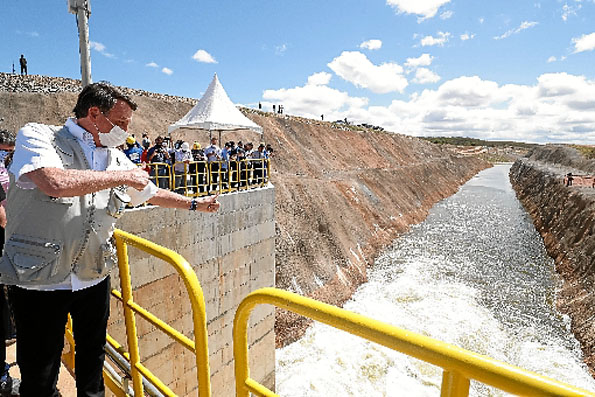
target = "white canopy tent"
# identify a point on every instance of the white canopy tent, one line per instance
(214, 112)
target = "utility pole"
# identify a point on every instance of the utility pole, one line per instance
(82, 10)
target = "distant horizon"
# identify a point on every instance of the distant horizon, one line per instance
(495, 71)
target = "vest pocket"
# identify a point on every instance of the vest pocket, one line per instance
(32, 258)
(117, 202)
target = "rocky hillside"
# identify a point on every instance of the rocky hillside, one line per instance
(565, 217)
(342, 193)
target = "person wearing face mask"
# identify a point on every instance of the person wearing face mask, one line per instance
(181, 167)
(158, 156)
(68, 186)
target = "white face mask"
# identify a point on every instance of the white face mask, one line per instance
(115, 137)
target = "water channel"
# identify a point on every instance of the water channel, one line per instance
(475, 274)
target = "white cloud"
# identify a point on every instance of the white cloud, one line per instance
(167, 71)
(524, 25)
(96, 46)
(203, 56)
(557, 108)
(584, 43)
(373, 44)
(356, 68)
(422, 60)
(280, 49)
(425, 76)
(100, 48)
(321, 78)
(313, 100)
(446, 15)
(551, 59)
(439, 40)
(569, 10)
(424, 8)
(152, 65)
(30, 33)
(481, 20)
(467, 36)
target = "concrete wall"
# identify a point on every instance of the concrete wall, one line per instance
(233, 253)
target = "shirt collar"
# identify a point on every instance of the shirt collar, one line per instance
(80, 133)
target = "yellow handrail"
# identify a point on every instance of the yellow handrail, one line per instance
(200, 344)
(459, 365)
(208, 177)
(162, 181)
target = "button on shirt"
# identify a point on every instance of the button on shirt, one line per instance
(34, 150)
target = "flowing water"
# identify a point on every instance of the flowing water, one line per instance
(475, 274)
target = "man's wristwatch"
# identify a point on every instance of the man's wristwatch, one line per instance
(193, 205)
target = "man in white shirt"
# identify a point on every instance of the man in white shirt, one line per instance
(70, 186)
(183, 158)
(213, 154)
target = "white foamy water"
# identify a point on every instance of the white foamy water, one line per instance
(474, 274)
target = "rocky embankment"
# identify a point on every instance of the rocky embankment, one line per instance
(565, 217)
(342, 193)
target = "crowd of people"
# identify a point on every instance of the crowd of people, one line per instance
(196, 169)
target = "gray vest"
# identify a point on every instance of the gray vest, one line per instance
(47, 238)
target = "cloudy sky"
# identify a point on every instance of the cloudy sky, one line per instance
(507, 70)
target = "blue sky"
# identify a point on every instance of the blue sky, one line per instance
(521, 70)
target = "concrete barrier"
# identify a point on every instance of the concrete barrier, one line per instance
(233, 253)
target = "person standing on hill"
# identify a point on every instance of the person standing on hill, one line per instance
(568, 178)
(23, 62)
(68, 187)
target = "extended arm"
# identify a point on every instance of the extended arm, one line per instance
(168, 199)
(58, 182)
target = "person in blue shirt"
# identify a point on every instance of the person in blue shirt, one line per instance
(225, 164)
(133, 150)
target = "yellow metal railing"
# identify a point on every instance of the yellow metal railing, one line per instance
(198, 346)
(200, 178)
(161, 175)
(460, 365)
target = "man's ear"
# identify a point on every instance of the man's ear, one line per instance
(93, 113)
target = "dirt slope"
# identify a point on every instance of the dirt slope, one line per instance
(342, 193)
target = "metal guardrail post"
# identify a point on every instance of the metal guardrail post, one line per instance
(200, 345)
(454, 385)
(131, 335)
